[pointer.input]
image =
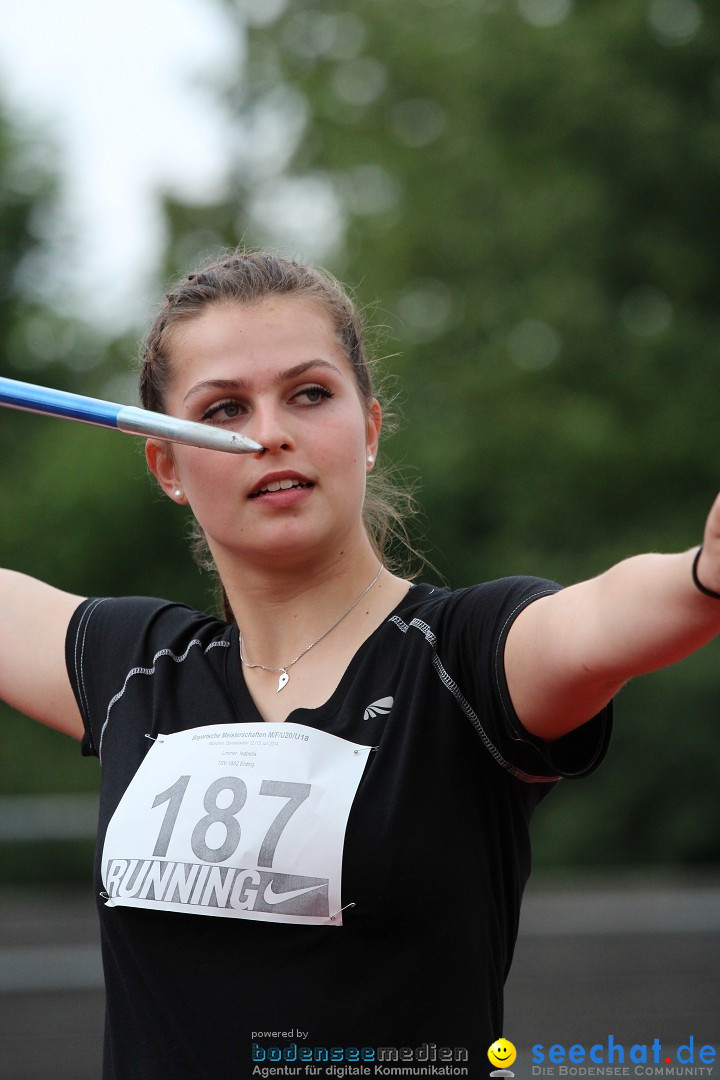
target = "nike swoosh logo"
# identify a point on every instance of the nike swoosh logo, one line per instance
(271, 897)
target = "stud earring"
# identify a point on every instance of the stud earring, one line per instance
(370, 459)
(178, 493)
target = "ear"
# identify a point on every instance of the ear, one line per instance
(374, 426)
(161, 462)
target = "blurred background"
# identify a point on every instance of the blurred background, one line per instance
(524, 195)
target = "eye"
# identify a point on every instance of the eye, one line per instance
(223, 410)
(314, 395)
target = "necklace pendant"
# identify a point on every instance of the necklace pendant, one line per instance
(282, 681)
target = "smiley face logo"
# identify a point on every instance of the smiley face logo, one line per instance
(502, 1053)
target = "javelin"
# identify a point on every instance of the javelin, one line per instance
(127, 418)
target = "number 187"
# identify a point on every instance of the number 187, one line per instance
(295, 794)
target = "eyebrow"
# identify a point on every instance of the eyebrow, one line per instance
(243, 384)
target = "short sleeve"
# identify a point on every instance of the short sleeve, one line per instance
(111, 641)
(487, 612)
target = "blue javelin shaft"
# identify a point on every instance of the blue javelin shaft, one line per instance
(127, 418)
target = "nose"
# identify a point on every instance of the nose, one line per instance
(269, 427)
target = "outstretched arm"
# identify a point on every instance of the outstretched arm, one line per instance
(567, 654)
(34, 619)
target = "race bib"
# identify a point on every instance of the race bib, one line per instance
(237, 822)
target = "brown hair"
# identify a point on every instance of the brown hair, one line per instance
(248, 278)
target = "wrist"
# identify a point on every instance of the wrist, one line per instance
(696, 580)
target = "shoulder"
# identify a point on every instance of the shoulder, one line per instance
(489, 606)
(140, 615)
(111, 635)
(467, 627)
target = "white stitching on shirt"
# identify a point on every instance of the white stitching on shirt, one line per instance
(451, 685)
(151, 671)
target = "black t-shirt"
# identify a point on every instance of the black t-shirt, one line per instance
(436, 851)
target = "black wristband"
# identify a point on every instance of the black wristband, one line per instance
(696, 580)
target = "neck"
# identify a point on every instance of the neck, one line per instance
(280, 612)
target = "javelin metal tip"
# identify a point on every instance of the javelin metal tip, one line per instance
(245, 444)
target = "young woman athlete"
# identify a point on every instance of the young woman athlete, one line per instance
(313, 834)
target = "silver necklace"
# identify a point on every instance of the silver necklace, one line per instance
(283, 671)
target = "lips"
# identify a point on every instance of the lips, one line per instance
(274, 482)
